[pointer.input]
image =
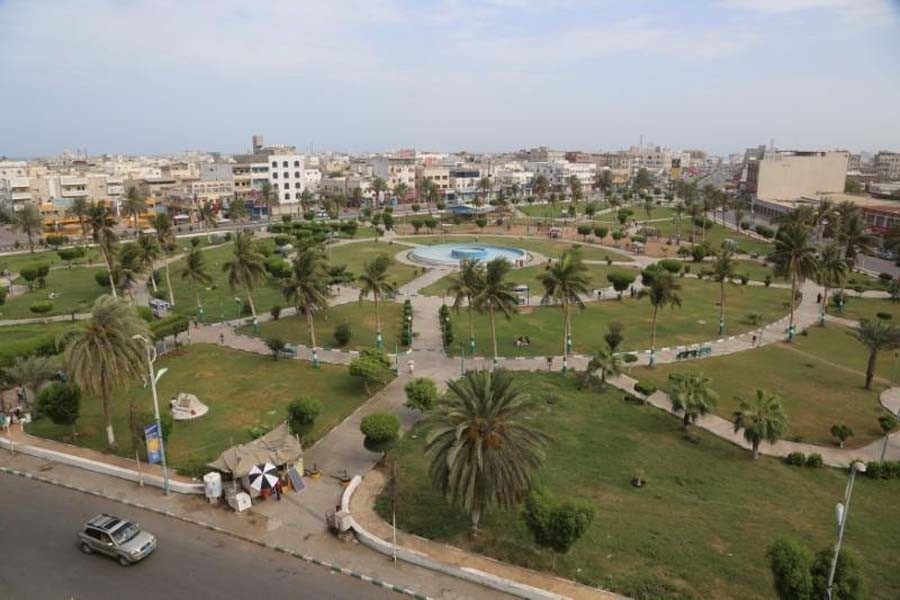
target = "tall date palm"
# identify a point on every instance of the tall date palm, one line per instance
(374, 281)
(245, 267)
(565, 282)
(464, 287)
(794, 257)
(497, 294)
(307, 287)
(481, 445)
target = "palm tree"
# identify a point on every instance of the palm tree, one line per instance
(195, 272)
(876, 335)
(678, 211)
(606, 362)
(565, 282)
(723, 271)
(540, 186)
(481, 444)
(79, 209)
(207, 216)
(378, 186)
(825, 215)
(374, 281)
(307, 288)
(761, 418)
(165, 237)
(804, 215)
(603, 180)
(400, 191)
(30, 372)
(105, 354)
(464, 288)
(268, 198)
(794, 257)
(245, 268)
(29, 221)
(146, 253)
(101, 224)
(692, 395)
(134, 204)
(305, 198)
(832, 273)
(854, 236)
(497, 294)
(574, 189)
(237, 210)
(129, 268)
(484, 189)
(662, 292)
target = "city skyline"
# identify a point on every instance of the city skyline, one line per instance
(367, 76)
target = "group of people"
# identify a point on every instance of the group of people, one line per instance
(16, 416)
(523, 341)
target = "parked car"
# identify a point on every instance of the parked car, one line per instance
(120, 539)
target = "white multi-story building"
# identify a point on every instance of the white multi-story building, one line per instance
(286, 174)
(394, 170)
(558, 173)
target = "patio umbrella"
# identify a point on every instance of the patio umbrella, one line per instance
(263, 477)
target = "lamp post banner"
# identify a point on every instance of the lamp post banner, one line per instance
(152, 435)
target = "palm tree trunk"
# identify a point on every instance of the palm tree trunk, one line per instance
(653, 329)
(153, 279)
(566, 328)
(476, 517)
(252, 304)
(107, 414)
(377, 315)
(169, 285)
(471, 322)
(30, 241)
(824, 303)
(755, 449)
(493, 330)
(310, 323)
(112, 284)
(722, 303)
(870, 368)
(197, 296)
(793, 295)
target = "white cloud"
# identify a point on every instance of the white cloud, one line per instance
(861, 9)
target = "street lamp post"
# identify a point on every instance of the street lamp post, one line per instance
(462, 360)
(237, 302)
(842, 511)
(409, 330)
(154, 377)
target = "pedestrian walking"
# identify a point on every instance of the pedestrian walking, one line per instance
(754, 341)
(411, 365)
(222, 338)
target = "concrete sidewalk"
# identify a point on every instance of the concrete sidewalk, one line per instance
(286, 526)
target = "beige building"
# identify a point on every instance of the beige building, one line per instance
(786, 174)
(887, 166)
(438, 175)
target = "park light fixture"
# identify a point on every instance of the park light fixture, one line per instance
(154, 378)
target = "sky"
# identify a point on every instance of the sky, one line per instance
(162, 76)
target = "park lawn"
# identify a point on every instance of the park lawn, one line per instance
(715, 236)
(356, 254)
(861, 282)
(547, 247)
(866, 308)
(819, 379)
(218, 299)
(16, 262)
(558, 210)
(241, 390)
(360, 316)
(529, 276)
(76, 290)
(699, 529)
(757, 271)
(695, 321)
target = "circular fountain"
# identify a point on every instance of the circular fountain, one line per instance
(451, 254)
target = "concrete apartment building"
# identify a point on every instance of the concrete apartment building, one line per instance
(395, 170)
(286, 174)
(887, 166)
(791, 174)
(15, 184)
(437, 174)
(558, 173)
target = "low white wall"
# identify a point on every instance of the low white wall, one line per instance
(99, 467)
(417, 558)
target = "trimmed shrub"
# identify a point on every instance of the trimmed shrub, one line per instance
(145, 313)
(814, 460)
(40, 308)
(764, 231)
(275, 311)
(342, 334)
(421, 394)
(671, 265)
(888, 469)
(56, 240)
(644, 388)
(380, 431)
(630, 358)
(797, 459)
(302, 413)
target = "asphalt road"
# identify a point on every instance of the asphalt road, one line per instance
(40, 559)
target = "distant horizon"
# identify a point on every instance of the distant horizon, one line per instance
(145, 78)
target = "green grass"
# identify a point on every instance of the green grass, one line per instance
(756, 270)
(241, 390)
(555, 211)
(359, 316)
(18, 333)
(715, 236)
(76, 290)
(529, 276)
(16, 262)
(862, 282)
(696, 321)
(698, 530)
(819, 378)
(218, 298)
(547, 247)
(866, 308)
(356, 254)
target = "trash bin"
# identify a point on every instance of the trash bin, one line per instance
(212, 487)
